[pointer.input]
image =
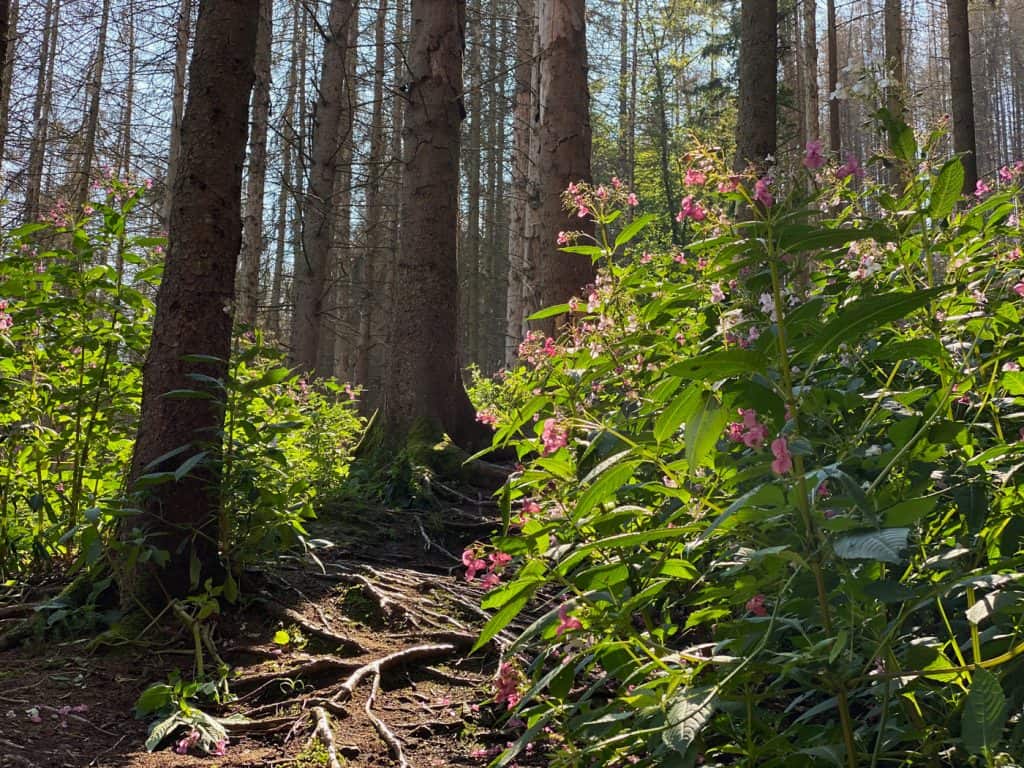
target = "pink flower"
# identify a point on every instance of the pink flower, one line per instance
(1019, 289)
(531, 507)
(695, 178)
(549, 347)
(499, 559)
(566, 623)
(601, 193)
(646, 258)
(783, 463)
(729, 186)
(690, 209)
(755, 605)
(473, 564)
(554, 436)
(981, 189)
(734, 432)
(717, 296)
(583, 212)
(814, 159)
(486, 417)
(572, 189)
(490, 581)
(506, 685)
(851, 167)
(220, 748)
(563, 238)
(1006, 175)
(762, 192)
(616, 182)
(632, 200)
(186, 743)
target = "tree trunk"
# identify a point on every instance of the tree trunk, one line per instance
(312, 283)
(564, 145)
(810, 55)
(191, 315)
(469, 253)
(10, 39)
(123, 161)
(962, 90)
(834, 131)
(371, 317)
(756, 123)
(252, 226)
(285, 193)
(181, 37)
(94, 89)
(517, 240)
(424, 393)
(41, 111)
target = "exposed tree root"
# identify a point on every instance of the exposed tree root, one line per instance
(386, 734)
(322, 731)
(252, 685)
(343, 644)
(387, 663)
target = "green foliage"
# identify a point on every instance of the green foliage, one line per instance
(76, 311)
(175, 705)
(770, 487)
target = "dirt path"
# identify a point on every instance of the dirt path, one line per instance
(378, 658)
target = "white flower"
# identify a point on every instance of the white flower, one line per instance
(767, 304)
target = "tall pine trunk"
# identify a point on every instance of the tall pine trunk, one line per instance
(961, 89)
(756, 123)
(183, 516)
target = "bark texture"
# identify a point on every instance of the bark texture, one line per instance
(181, 37)
(965, 141)
(252, 229)
(193, 314)
(563, 148)
(756, 124)
(835, 142)
(312, 264)
(424, 392)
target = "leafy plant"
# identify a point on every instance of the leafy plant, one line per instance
(176, 707)
(770, 487)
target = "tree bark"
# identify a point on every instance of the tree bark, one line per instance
(756, 123)
(41, 112)
(469, 253)
(252, 226)
(424, 394)
(10, 39)
(312, 283)
(564, 146)
(810, 55)
(517, 241)
(834, 131)
(123, 162)
(181, 38)
(94, 89)
(193, 306)
(965, 142)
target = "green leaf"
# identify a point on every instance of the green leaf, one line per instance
(188, 465)
(910, 511)
(509, 611)
(714, 366)
(703, 429)
(619, 541)
(558, 309)
(153, 699)
(584, 250)
(161, 729)
(984, 715)
(678, 411)
(610, 476)
(855, 320)
(690, 711)
(884, 545)
(946, 189)
(632, 229)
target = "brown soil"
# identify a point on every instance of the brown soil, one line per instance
(389, 589)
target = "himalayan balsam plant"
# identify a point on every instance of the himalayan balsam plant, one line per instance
(768, 511)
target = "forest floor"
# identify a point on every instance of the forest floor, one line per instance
(380, 633)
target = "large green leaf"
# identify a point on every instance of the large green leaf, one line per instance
(984, 715)
(690, 711)
(946, 189)
(719, 365)
(508, 611)
(607, 482)
(884, 545)
(703, 429)
(679, 410)
(632, 229)
(860, 317)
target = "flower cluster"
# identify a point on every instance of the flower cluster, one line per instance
(6, 321)
(492, 566)
(751, 432)
(506, 685)
(536, 348)
(588, 201)
(554, 436)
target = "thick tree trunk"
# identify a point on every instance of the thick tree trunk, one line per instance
(252, 226)
(193, 303)
(424, 394)
(312, 265)
(517, 240)
(10, 39)
(470, 252)
(965, 142)
(181, 38)
(756, 123)
(564, 145)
